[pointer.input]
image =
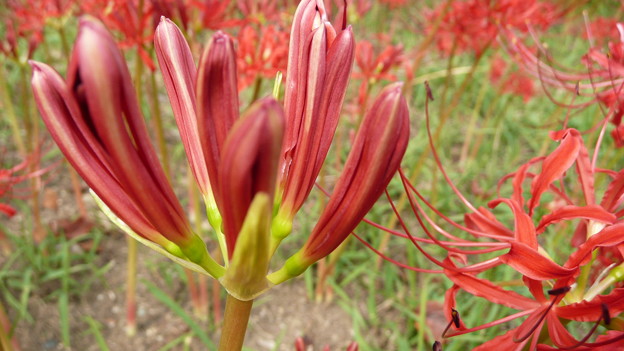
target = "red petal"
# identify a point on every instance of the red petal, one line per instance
(532, 325)
(502, 342)
(67, 127)
(249, 164)
(450, 303)
(328, 74)
(376, 154)
(524, 230)
(487, 222)
(490, 291)
(585, 174)
(555, 165)
(592, 212)
(559, 335)
(217, 100)
(518, 179)
(178, 70)
(613, 194)
(591, 311)
(102, 86)
(533, 265)
(608, 237)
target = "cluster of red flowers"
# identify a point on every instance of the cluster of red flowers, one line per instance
(27, 22)
(473, 25)
(261, 53)
(374, 67)
(262, 49)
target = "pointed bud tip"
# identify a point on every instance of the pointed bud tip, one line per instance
(88, 20)
(36, 66)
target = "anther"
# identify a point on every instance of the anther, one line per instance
(606, 317)
(437, 346)
(559, 291)
(454, 321)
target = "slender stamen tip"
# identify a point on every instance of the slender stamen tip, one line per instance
(34, 65)
(429, 92)
(606, 317)
(455, 315)
(219, 37)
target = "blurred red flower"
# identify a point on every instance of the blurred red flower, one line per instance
(472, 25)
(261, 53)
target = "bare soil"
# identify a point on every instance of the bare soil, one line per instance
(278, 317)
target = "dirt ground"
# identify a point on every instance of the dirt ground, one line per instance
(278, 317)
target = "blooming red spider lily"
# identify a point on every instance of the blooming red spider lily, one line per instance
(25, 20)
(9, 177)
(247, 166)
(215, 14)
(584, 286)
(373, 69)
(261, 53)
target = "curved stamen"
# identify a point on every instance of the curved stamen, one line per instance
(604, 317)
(538, 323)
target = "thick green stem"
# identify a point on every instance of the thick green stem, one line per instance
(235, 324)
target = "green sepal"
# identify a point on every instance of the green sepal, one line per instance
(245, 277)
(197, 252)
(215, 220)
(294, 266)
(212, 211)
(167, 249)
(281, 227)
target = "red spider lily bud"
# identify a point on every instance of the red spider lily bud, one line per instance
(178, 71)
(377, 151)
(249, 164)
(217, 100)
(101, 84)
(96, 121)
(319, 68)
